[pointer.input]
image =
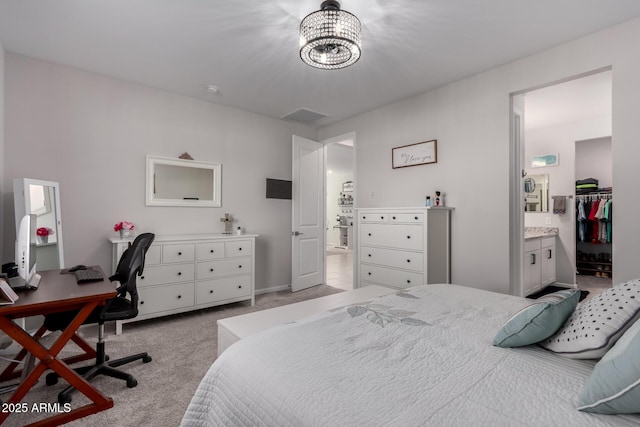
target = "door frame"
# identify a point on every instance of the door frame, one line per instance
(516, 168)
(328, 141)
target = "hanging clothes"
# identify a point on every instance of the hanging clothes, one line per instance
(593, 220)
(582, 221)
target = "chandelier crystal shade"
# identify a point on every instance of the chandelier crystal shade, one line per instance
(330, 37)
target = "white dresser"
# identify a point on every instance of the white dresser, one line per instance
(403, 247)
(192, 271)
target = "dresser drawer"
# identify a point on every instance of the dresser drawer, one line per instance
(392, 258)
(178, 253)
(161, 274)
(407, 217)
(211, 250)
(167, 297)
(225, 267)
(152, 257)
(238, 248)
(209, 291)
(374, 217)
(395, 236)
(390, 277)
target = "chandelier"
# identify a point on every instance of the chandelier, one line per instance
(330, 37)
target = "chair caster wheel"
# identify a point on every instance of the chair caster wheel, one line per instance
(106, 357)
(147, 359)
(62, 399)
(51, 379)
(132, 383)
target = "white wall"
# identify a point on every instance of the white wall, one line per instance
(562, 139)
(2, 192)
(91, 134)
(470, 120)
(593, 160)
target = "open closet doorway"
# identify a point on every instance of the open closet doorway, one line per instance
(557, 120)
(339, 211)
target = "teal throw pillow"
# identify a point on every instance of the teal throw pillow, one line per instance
(538, 321)
(614, 384)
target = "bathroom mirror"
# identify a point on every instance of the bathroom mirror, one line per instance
(536, 193)
(42, 198)
(178, 182)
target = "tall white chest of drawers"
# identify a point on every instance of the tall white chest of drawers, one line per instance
(403, 247)
(189, 272)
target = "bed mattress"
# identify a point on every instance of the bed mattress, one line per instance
(419, 357)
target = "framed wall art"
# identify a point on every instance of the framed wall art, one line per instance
(421, 153)
(544, 160)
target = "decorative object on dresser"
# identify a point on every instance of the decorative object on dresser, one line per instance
(421, 153)
(228, 221)
(124, 228)
(192, 271)
(403, 247)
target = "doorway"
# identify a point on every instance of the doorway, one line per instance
(339, 211)
(555, 119)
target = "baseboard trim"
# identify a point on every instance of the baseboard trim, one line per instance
(273, 289)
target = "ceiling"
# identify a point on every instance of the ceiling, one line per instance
(249, 48)
(573, 101)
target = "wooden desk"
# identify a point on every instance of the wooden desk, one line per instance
(57, 292)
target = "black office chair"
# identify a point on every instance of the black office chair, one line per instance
(119, 308)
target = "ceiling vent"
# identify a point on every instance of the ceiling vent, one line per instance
(305, 116)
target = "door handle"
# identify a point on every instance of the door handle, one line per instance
(296, 233)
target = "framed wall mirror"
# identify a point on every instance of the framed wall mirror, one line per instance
(42, 198)
(536, 193)
(178, 182)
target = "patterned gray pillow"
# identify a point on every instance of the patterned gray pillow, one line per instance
(597, 323)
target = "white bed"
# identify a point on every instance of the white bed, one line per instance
(422, 357)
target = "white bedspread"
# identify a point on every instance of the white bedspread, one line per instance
(422, 357)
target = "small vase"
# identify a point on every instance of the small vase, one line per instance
(43, 239)
(124, 233)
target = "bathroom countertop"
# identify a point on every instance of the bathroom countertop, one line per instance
(537, 232)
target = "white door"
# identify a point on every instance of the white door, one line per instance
(307, 234)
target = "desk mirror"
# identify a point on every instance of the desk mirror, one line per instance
(536, 193)
(42, 198)
(177, 182)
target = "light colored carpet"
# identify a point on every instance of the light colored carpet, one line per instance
(182, 347)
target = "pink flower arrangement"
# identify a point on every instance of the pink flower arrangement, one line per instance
(123, 225)
(44, 231)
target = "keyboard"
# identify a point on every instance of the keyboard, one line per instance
(88, 275)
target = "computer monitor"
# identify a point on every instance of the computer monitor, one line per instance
(26, 249)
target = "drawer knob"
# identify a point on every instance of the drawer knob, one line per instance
(381, 217)
(393, 217)
(408, 281)
(415, 217)
(141, 277)
(369, 255)
(369, 273)
(211, 269)
(369, 234)
(211, 291)
(408, 260)
(239, 249)
(141, 302)
(240, 266)
(239, 286)
(211, 251)
(179, 296)
(179, 273)
(179, 253)
(364, 217)
(408, 237)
